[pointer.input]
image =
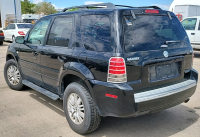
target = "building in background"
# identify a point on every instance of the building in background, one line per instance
(29, 18)
(10, 10)
(185, 8)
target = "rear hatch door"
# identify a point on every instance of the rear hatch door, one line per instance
(156, 50)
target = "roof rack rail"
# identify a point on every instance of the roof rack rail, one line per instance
(83, 7)
(104, 5)
(153, 7)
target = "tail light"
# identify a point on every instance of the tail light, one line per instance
(1, 34)
(116, 70)
(21, 33)
(151, 11)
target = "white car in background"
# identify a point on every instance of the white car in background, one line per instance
(16, 29)
(192, 27)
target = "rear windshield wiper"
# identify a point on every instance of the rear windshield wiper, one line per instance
(167, 42)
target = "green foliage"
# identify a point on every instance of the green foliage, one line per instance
(44, 7)
(74, 9)
(27, 6)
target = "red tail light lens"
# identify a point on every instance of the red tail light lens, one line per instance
(151, 11)
(111, 96)
(1, 34)
(21, 33)
(117, 70)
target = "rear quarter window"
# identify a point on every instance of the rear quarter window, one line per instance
(23, 26)
(95, 32)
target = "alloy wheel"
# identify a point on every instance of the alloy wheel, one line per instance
(13, 75)
(75, 108)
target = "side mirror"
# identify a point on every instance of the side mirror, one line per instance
(19, 39)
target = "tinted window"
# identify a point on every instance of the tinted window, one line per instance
(22, 26)
(189, 24)
(37, 34)
(150, 32)
(95, 31)
(61, 31)
(199, 25)
(12, 26)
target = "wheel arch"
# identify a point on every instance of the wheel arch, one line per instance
(74, 71)
(73, 76)
(10, 55)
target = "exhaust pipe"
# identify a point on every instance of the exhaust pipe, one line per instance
(186, 101)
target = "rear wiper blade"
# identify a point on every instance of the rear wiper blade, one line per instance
(167, 42)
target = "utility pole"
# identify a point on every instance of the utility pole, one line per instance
(15, 11)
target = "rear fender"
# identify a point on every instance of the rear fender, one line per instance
(81, 71)
(78, 70)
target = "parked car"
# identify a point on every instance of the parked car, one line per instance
(192, 27)
(1, 37)
(114, 61)
(16, 29)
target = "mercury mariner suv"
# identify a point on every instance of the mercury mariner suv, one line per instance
(105, 60)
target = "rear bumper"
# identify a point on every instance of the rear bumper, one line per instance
(2, 38)
(166, 96)
(129, 104)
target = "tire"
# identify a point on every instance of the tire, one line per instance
(13, 38)
(91, 120)
(16, 84)
(1, 42)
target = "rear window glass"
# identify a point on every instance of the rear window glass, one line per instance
(95, 31)
(23, 26)
(150, 32)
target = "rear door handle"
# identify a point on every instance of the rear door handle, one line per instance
(61, 58)
(35, 54)
(192, 33)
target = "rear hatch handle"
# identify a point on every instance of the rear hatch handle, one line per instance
(164, 46)
(167, 42)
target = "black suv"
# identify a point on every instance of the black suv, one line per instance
(105, 60)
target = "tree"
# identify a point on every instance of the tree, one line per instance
(27, 6)
(44, 7)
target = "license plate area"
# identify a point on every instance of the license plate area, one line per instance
(164, 71)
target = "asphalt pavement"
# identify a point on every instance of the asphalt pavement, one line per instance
(30, 114)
